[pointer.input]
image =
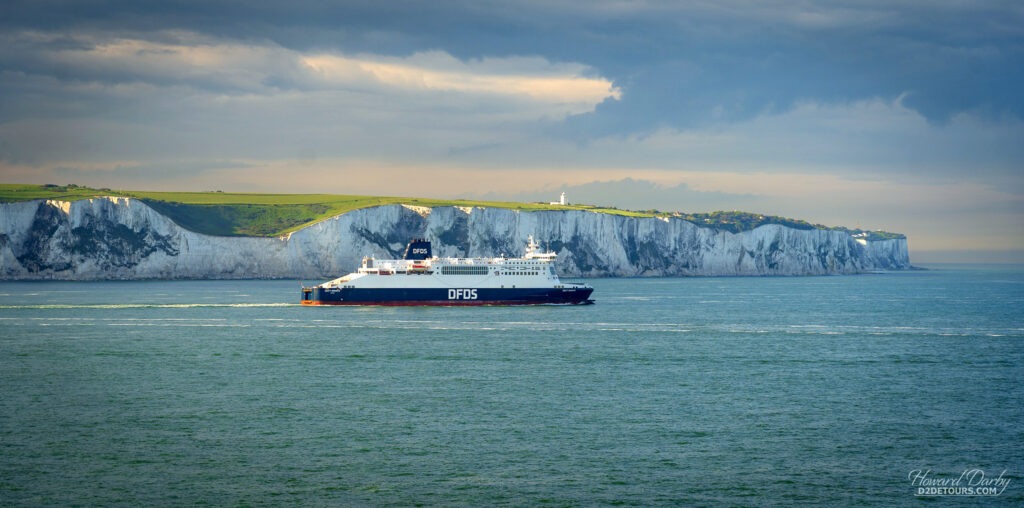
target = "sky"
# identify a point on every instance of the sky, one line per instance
(905, 116)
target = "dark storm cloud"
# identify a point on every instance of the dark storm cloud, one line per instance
(679, 65)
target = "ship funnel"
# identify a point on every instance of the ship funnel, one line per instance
(418, 248)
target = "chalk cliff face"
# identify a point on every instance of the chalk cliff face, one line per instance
(120, 238)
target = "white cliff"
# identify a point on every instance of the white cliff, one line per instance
(121, 238)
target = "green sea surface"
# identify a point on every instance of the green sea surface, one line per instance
(675, 391)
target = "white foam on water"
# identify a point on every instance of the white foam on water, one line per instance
(150, 319)
(218, 325)
(46, 292)
(327, 326)
(58, 319)
(67, 324)
(148, 305)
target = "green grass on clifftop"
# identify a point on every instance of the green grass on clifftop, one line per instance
(240, 214)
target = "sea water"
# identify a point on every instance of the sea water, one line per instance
(675, 391)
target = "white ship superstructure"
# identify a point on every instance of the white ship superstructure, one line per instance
(420, 279)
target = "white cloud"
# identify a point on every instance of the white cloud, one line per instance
(92, 99)
(267, 69)
(527, 77)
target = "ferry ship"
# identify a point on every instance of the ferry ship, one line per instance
(419, 278)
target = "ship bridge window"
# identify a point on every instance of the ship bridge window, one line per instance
(464, 270)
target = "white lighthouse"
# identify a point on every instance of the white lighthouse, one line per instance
(561, 200)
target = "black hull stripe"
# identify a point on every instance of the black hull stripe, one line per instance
(445, 296)
(444, 303)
